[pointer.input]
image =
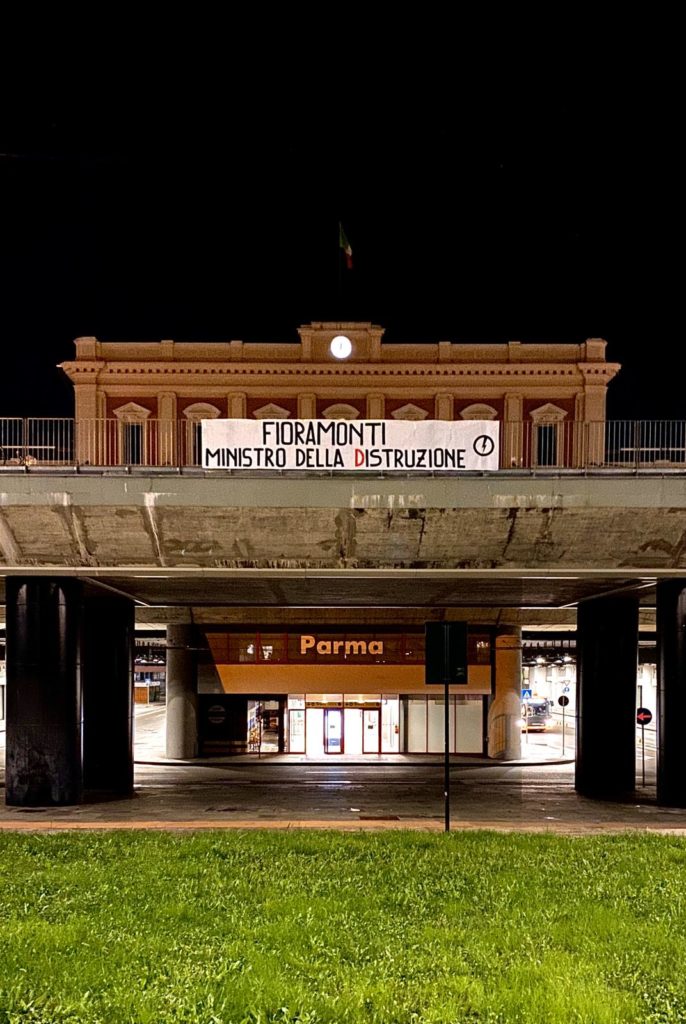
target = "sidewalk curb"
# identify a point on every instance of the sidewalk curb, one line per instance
(572, 829)
(312, 762)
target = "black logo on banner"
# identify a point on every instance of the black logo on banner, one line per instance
(484, 445)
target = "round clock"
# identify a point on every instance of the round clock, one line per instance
(341, 347)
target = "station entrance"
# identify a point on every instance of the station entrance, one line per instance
(319, 725)
(330, 691)
(353, 724)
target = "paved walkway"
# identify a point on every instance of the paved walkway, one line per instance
(391, 792)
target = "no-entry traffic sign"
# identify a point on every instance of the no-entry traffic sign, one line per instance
(644, 716)
(563, 701)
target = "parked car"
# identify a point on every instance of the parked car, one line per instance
(536, 714)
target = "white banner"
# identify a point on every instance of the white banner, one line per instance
(351, 445)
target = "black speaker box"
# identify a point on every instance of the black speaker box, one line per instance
(446, 653)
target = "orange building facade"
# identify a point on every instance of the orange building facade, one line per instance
(142, 402)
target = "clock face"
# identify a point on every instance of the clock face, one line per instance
(341, 347)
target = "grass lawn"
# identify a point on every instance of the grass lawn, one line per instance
(312, 927)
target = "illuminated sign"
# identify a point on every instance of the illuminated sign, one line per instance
(351, 445)
(347, 648)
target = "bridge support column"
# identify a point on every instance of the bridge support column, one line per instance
(182, 696)
(504, 716)
(43, 761)
(107, 668)
(607, 659)
(671, 693)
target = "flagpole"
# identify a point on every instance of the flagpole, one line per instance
(340, 272)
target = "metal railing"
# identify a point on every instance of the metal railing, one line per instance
(612, 444)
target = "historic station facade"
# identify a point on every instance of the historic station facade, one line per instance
(295, 604)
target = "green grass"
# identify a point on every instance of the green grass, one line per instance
(394, 928)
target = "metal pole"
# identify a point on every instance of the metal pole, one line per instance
(643, 752)
(446, 784)
(563, 730)
(446, 729)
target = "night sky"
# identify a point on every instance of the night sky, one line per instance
(540, 207)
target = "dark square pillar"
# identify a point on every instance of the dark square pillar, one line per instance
(671, 693)
(107, 669)
(43, 761)
(607, 661)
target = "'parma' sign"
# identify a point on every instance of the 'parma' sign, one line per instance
(351, 445)
(347, 648)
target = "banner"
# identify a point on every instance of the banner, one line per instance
(351, 445)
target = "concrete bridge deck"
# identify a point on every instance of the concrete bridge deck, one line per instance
(503, 540)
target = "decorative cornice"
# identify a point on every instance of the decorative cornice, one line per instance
(234, 372)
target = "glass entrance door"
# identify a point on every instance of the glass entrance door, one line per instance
(333, 731)
(371, 734)
(296, 731)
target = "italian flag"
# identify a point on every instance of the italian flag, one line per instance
(345, 246)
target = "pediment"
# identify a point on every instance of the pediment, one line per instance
(132, 412)
(409, 412)
(548, 413)
(271, 411)
(479, 411)
(201, 411)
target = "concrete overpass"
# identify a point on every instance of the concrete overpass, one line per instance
(193, 520)
(511, 547)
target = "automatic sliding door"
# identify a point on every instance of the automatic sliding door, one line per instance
(333, 731)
